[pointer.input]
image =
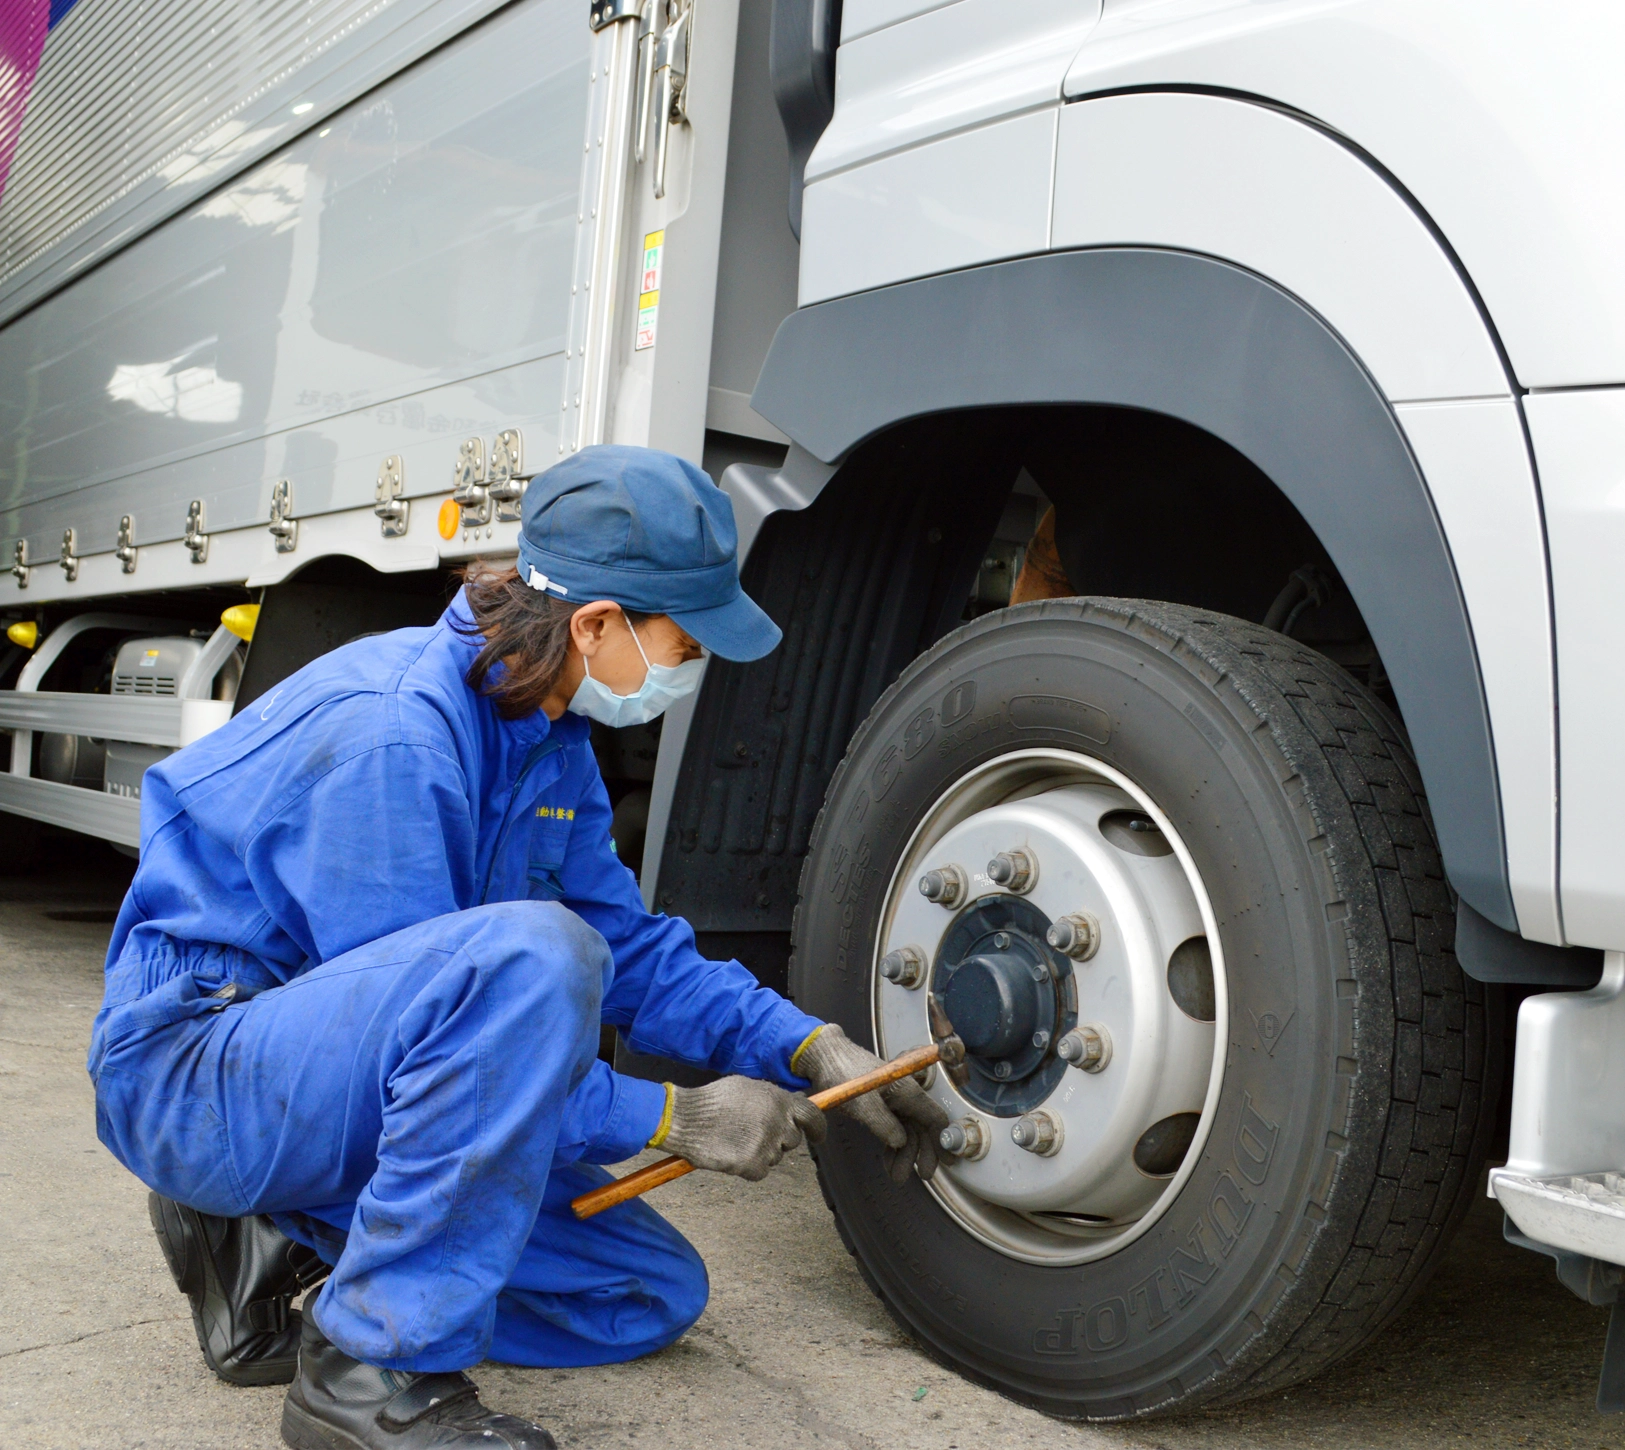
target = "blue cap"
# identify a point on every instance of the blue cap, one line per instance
(649, 531)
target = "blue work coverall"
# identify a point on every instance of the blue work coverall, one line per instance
(357, 984)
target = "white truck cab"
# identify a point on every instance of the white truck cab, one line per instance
(1252, 859)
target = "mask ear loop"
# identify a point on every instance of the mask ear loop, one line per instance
(587, 665)
(639, 643)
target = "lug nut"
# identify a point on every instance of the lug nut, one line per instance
(968, 1138)
(1088, 1046)
(1077, 935)
(1013, 870)
(1038, 1132)
(946, 885)
(905, 966)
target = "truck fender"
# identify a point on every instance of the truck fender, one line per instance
(1227, 351)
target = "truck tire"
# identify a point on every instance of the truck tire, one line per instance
(1232, 1203)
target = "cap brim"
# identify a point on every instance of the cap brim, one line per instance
(738, 630)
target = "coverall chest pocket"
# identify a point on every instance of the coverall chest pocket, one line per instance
(549, 839)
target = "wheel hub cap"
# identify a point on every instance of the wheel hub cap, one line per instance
(1009, 996)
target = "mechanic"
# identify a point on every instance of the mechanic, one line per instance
(355, 991)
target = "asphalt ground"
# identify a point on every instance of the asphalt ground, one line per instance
(97, 1349)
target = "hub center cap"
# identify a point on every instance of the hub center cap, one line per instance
(989, 1003)
(1009, 996)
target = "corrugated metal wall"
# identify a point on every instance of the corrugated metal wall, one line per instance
(136, 98)
(389, 282)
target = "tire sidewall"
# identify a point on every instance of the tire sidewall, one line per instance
(1185, 1304)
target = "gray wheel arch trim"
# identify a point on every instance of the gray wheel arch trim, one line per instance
(1228, 351)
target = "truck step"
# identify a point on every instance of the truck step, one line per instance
(1581, 1213)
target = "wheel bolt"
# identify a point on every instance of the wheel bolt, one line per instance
(1001, 1070)
(1014, 870)
(1077, 935)
(1040, 1039)
(1088, 1046)
(946, 885)
(1038, 1132)
(905, 966)
(1038, 971)
(968, 1138)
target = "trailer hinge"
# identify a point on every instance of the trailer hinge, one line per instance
(606, 12)
(126, 551)
(671, 72)
(19, 570)
(507, 480)
(468, 484)
(284, 526)
(69, 557)
(394, 512)
(196, 541)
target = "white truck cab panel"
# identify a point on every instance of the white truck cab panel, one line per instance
(860, 17)
(932, 208)
(940, 152)
(1257, 186)
(1505, 121)
(1579, 440)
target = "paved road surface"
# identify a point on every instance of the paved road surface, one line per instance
(96, 1349)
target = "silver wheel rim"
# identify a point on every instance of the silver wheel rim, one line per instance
(1087, 1199)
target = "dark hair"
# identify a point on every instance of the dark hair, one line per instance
(528, 630)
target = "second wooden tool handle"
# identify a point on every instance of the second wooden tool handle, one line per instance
(916, 1059)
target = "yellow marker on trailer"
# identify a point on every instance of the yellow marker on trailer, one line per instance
(240, 619)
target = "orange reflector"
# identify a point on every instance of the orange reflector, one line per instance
(450, 517)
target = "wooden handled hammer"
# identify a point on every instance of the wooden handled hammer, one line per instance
(916, 1059)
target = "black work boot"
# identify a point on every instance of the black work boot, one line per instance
(339, 1403)
(241, 1275)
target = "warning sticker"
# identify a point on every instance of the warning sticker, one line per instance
(654, 247)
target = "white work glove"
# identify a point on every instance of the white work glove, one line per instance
(738, 1125)
(901, 1114)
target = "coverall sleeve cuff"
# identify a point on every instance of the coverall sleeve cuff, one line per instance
(787, 1032)
(634, 1118)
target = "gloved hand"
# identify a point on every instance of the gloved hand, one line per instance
(901, 1115)
(738, 1125)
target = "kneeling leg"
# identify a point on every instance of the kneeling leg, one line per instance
(618, 1286)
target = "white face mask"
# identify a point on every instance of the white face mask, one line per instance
(662, 687)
